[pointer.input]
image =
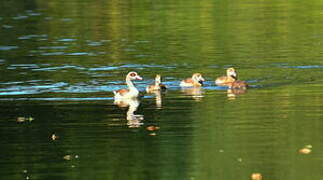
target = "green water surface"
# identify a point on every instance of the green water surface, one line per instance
(61, 60)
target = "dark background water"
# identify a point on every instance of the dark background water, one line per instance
(61, 60)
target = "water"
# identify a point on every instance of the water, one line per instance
(61, 60)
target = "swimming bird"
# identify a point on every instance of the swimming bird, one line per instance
(231, 80)
(157, 86)
(238, 85)
(195, 81)
(132, 91)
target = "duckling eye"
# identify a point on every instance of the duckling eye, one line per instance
(133, 74)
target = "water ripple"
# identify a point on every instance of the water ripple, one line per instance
(52, 47)
(7, 48)
(93, 43)
(52, 54)
(78, 54)
(31, 36)
(23, 66)
(105, 68)
(5, 26)
(66, 40)
(33, 89)
(59, 67)
(19, 17)
(58, 99)
(284, 65)
(307, 67)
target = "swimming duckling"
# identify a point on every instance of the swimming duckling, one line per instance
(238, 85)
(229, 78)
(157, 86)
(195, 81)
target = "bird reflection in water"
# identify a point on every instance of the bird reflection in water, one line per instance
(157, 88)
(232, 93)
(158, 99)
(195, 92)
(133, 120)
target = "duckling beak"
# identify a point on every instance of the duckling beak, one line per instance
(138, 78)
(201, 80)
(234, 75)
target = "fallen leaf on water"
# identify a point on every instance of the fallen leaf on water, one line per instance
(309, 146)
(21, 119)
(305, 151)
(54, 137)
(152, 134)
(152, 128)
(256, 176)
(67, 157)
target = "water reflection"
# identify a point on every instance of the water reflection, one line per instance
(195, 92)
(158, 98)
(232, 93)
(134, 120)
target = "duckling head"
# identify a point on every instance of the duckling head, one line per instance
(197, 77)
(157, 79)
(232, 72)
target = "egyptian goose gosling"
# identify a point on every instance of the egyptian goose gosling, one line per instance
(132, 91)
(238, 85)
(229, 78)
(157, 86)
(195, 81)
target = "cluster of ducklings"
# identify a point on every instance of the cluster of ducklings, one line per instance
(230, 80)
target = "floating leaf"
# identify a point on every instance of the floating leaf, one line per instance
(54, 137)
(305, 151)
(309, 146)
(152, 128)
(30, 119)
(67, 157)
(21, 119)
(256, 176)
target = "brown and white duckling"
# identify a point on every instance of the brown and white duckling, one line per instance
(229, 78)
(157, 86)
(238, 85)
(195, 81)
(132, 91)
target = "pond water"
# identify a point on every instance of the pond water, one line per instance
(60, 61)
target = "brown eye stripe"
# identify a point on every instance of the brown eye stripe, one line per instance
(133, 74)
